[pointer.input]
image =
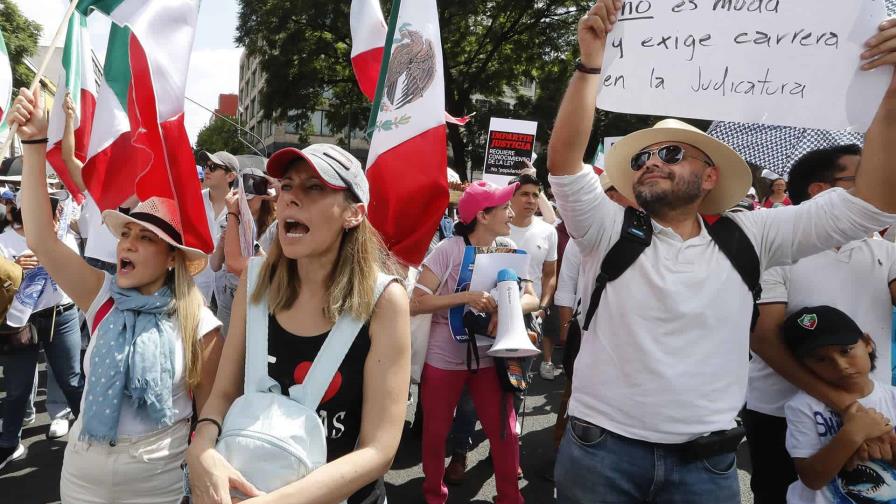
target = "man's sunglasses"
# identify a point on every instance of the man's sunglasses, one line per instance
(212, 167)
(669, 154)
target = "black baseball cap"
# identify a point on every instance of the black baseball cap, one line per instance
(814, 327)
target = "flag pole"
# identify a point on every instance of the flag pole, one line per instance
(60, 32)
(384, 68)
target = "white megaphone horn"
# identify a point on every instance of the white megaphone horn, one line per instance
(512, 338)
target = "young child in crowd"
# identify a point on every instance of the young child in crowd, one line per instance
(822, 441)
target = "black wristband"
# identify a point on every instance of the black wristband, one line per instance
(211, 421)
(36, 141)
(235, 215)
(580, 67)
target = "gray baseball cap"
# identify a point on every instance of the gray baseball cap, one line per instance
(221, 158)
(337, 168)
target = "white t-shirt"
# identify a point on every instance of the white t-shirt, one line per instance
(539, 240)
(130, 423)
(567, 282)
(100, 242)
(665, 358)
(206, 279)
(811, 425)
(856, 279)
(13, 244)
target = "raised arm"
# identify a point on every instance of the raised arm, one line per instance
(80, 281)
(572, 128)
(876, 180)
(72, 163)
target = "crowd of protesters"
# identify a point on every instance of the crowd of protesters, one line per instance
(691, 316)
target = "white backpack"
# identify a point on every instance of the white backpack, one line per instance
(271, 439)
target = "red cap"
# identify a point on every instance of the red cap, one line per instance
(481, 195)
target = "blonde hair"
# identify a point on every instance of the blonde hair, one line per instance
(188, 303)
(361, 257)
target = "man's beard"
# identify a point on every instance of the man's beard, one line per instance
(686, 190)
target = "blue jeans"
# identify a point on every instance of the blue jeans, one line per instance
(616, 469)
(464, 425)
(63, 356)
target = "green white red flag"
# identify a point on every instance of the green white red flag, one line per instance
(5, 88)
(78, 79)
(139, 144)
(369, 29)
(408, 149)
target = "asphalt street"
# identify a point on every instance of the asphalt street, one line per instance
(35, 479)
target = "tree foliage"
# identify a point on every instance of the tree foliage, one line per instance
(21, 36)
(221, 135)
(304, 49)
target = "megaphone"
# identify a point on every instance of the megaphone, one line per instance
(511, 339)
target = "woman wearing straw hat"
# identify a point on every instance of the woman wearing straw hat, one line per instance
(155, 346)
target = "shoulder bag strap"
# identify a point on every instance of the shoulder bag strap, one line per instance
(257, 379)
(637, 232)
(332, 353)
(737, 247)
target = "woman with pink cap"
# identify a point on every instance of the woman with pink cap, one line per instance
(485, 214)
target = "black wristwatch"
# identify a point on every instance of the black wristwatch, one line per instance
(580, 67)
(546, 309)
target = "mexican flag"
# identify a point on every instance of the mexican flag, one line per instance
(5, 90)
(139, 144)
(369, 33)
(408, 150)
(78, 79)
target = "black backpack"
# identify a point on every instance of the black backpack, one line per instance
(637, 233)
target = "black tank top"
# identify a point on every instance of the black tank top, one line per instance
(340, 410)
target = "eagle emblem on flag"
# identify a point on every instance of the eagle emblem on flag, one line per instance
(412, 68)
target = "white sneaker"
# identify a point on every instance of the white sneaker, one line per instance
(58, 428)
(6, 456)
(546, 370)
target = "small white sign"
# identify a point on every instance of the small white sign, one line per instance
(787, 62)
(509, 141)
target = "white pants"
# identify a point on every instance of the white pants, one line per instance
(144, 470)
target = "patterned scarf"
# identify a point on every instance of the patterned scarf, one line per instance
(132, 360)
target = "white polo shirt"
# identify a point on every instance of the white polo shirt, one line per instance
(855, 279)
(539, 240)
(665, 358)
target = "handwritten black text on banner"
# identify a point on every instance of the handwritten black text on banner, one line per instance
(788, 62)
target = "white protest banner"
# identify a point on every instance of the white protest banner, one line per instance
(509, 141)
(787, 62)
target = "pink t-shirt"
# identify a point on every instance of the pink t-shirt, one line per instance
(444, 352)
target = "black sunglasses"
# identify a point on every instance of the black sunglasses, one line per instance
(669, 154)
(212, 167)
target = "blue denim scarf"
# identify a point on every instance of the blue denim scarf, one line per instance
(132, 360)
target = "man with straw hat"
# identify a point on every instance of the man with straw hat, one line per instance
(662, 371)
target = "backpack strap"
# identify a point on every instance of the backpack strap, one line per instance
(332, 353)
(257, 379)
(637, 232)
(737, 247)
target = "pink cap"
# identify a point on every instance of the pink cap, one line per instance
(481, 195)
